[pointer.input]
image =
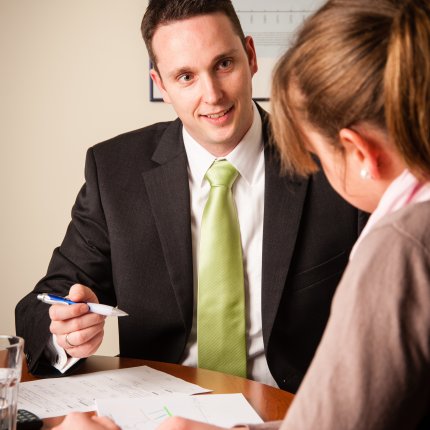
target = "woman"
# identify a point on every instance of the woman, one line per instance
(354, 93)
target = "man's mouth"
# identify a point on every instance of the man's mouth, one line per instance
(219, 114)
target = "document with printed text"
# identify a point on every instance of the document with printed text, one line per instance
(58, 396)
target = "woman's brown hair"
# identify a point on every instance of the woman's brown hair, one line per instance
(407, 86)
(357, 61)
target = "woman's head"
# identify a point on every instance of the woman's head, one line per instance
(356, 85)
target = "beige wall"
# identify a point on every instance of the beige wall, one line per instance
(72, 73)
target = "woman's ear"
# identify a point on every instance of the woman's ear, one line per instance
(363, 151)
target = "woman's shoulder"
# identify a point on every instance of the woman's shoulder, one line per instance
(397, 247)
(410, 224)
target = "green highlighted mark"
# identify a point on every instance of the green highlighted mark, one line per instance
(167, 411)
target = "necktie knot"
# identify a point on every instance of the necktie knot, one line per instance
(221, 173)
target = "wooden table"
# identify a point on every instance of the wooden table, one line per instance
(270, 403)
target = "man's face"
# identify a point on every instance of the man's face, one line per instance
(205, 73)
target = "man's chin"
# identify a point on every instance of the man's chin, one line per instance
(220, 147)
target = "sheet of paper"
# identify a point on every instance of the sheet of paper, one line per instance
(224, 410)
(59, 396)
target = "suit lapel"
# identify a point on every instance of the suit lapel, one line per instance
(168, 192)
(283, 205)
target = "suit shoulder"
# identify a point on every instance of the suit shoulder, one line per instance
(144, 139)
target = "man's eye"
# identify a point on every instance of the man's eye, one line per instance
(186, 77)
(225, 64)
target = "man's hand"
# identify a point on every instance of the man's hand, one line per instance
(81, 421)
(78, 331)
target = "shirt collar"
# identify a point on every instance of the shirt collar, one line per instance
(244, 156)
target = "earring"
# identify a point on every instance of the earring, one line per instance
(365, 174)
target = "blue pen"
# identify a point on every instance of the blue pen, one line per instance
(97, 308)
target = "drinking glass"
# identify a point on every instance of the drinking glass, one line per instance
(11, 349)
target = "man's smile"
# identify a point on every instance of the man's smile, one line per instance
(219, 114)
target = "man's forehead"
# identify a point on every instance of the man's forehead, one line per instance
(195, 26)
(203, 39)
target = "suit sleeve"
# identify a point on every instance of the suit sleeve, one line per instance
(83, 257)
(371, 369)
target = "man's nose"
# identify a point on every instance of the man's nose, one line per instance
(211, 90)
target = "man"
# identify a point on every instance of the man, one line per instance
(134, 236)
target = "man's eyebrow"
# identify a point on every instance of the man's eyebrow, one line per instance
(230, 53)
(189, 69)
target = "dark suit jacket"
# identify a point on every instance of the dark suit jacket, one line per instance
(130, 241)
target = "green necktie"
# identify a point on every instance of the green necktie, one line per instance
(221, 293)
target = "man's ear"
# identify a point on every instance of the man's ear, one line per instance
(362, 150)
(252, 54)
(156, 78)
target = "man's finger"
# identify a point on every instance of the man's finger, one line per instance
(86, 349)
(84, 321)
(66, 312)
(81, 293)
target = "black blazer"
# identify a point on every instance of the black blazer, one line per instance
(130, 241)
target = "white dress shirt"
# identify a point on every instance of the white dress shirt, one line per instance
(248, 192)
